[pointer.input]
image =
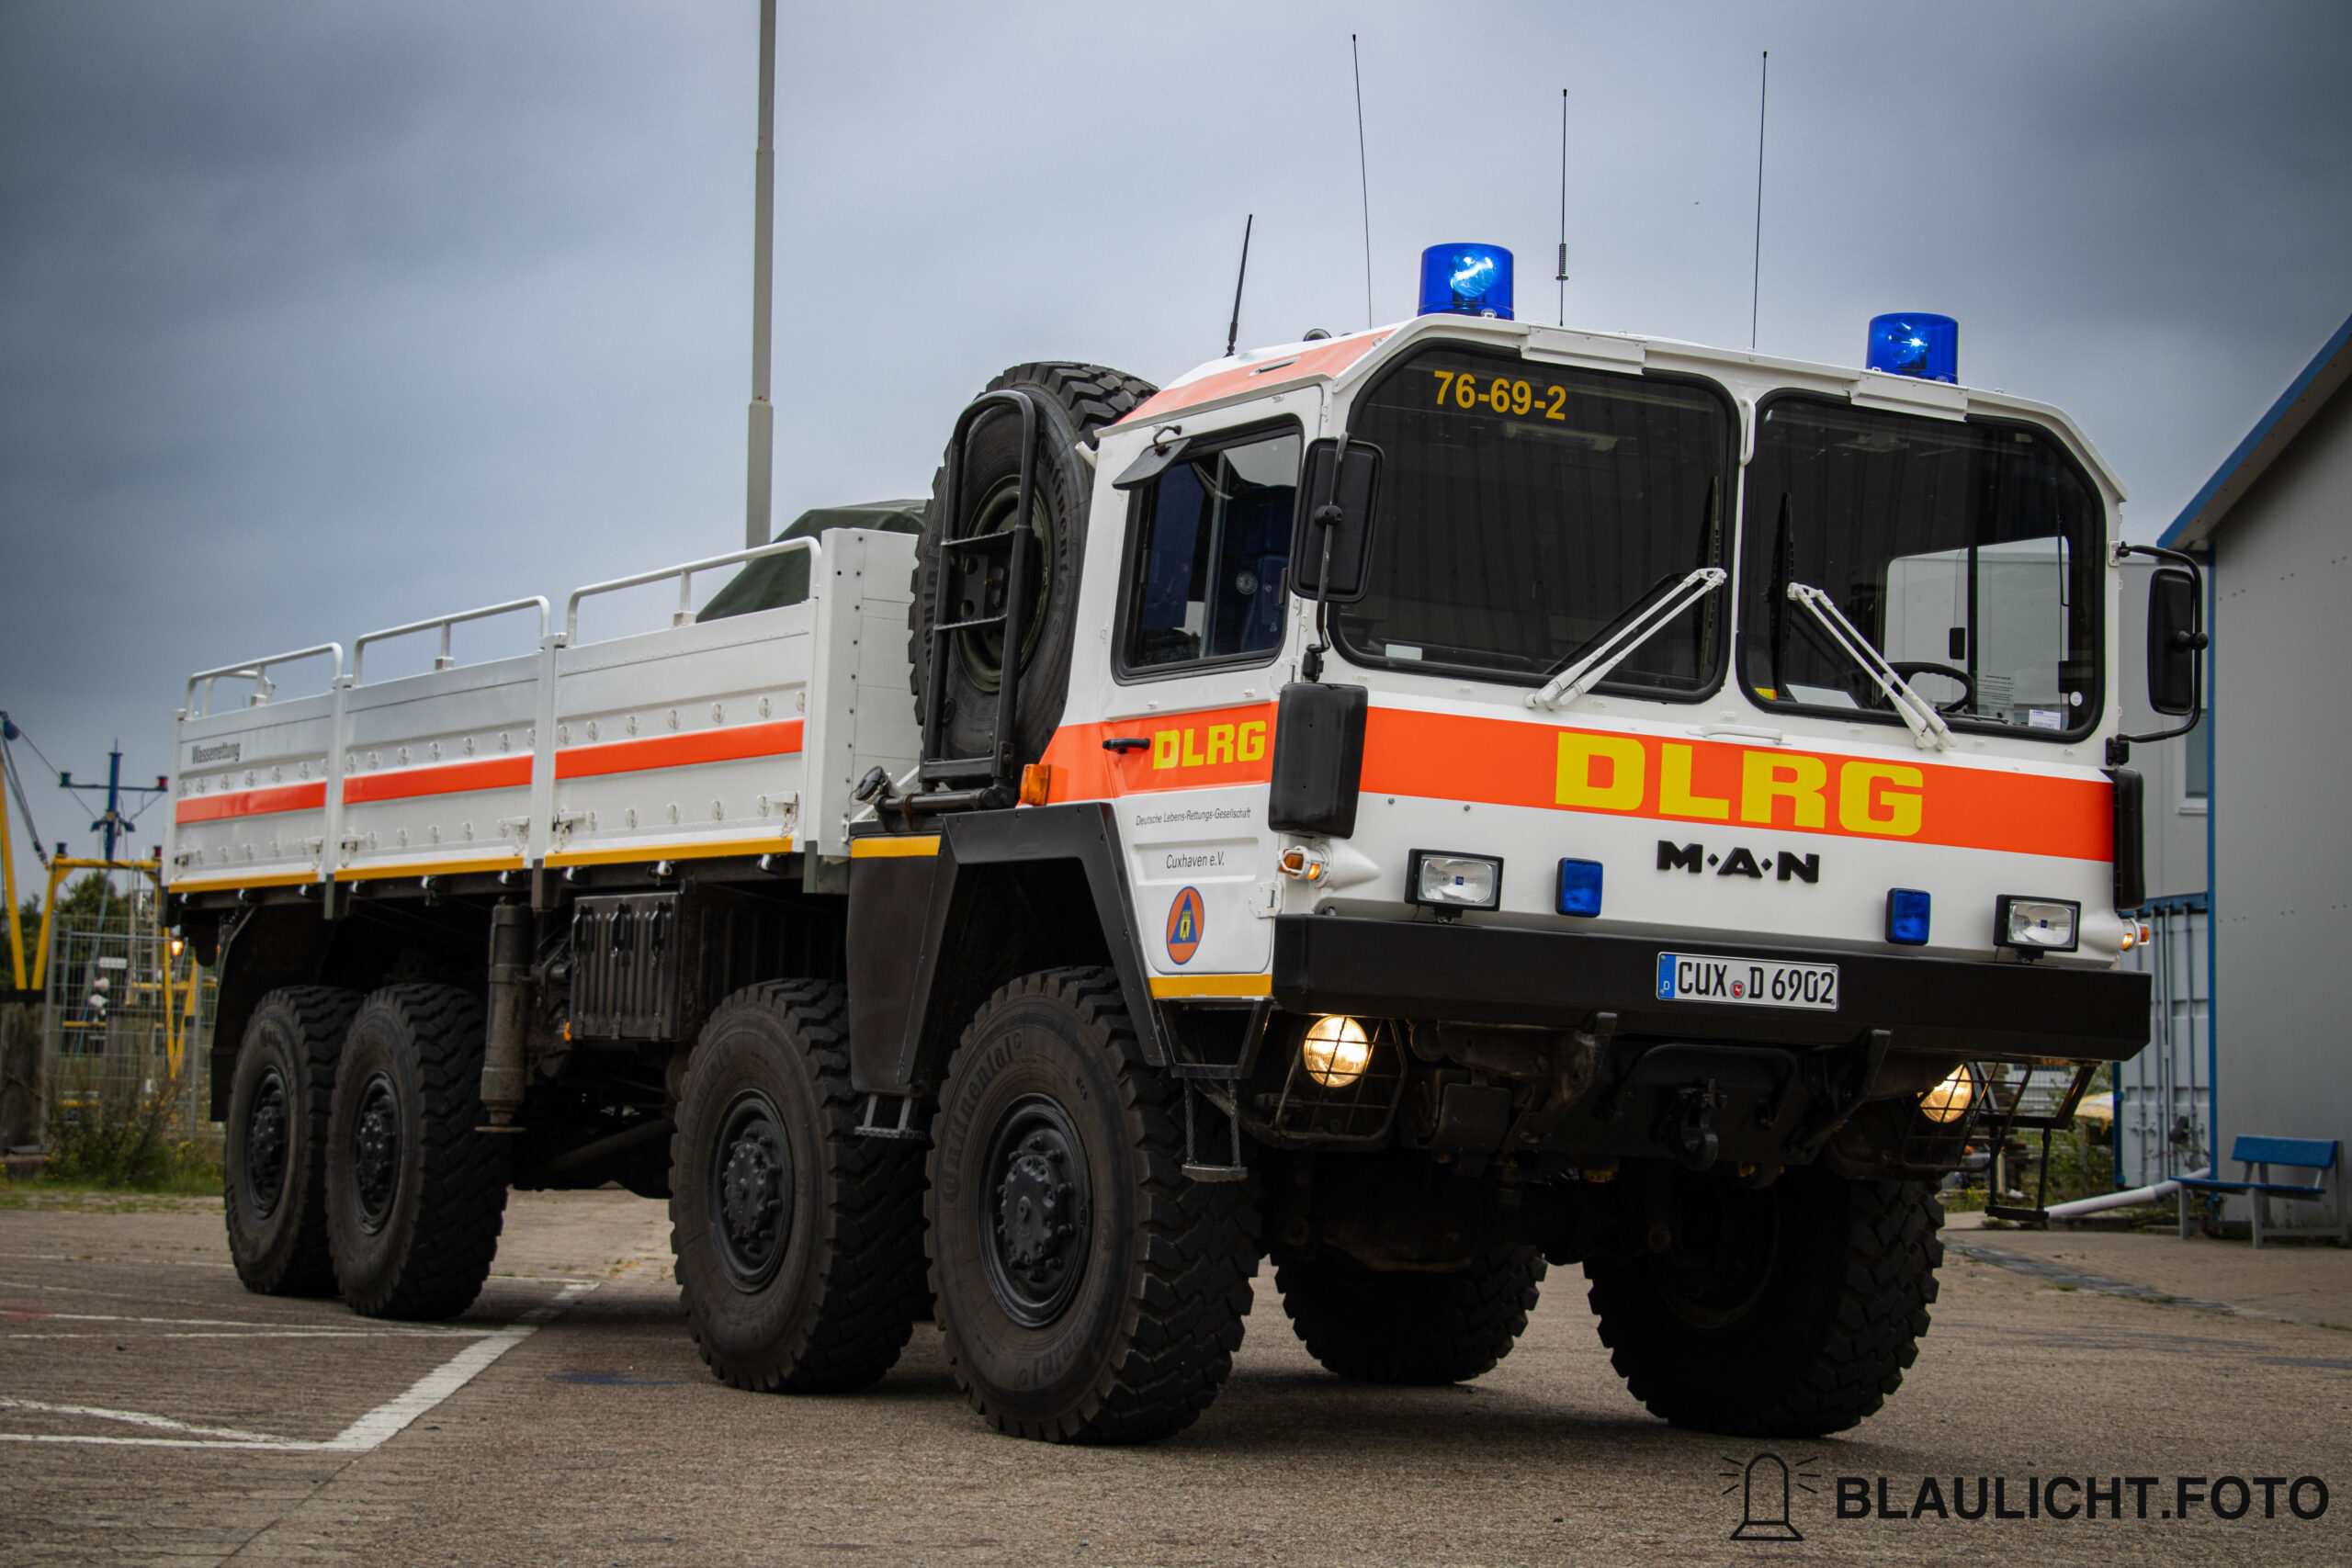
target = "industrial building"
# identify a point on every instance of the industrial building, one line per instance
(2250, 1035)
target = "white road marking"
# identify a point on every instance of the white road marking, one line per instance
(135, 1418)
(35, 1315)
(370, 1432)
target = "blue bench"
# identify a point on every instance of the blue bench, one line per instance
(2254, 1156)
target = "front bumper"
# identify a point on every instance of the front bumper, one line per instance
(1483, 974)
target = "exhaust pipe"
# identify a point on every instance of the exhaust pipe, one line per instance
(504, 1075)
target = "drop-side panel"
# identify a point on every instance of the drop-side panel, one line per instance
(250, 795)
(437, 770)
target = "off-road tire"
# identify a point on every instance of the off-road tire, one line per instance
(277, 1215)
(1160, 1264)
(1835, 1320)
(413, 1231)
(1078, 400)
(840, 1295)
(1422, 1328)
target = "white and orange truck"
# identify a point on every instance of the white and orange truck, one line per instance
(1420, 803)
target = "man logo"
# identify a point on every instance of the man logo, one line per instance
(1186, 921)
(1763, 1487)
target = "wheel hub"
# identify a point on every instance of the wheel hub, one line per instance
(268, 1130)
(376, 1151)
(751, 1192)
(1038, 1212)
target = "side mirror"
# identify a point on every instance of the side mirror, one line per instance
(1337, 506)
(2175, 638)
(1318, 759)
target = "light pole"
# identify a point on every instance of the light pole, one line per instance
(760, 475)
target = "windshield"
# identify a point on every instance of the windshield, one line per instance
(1523, 509)
(1967, 553)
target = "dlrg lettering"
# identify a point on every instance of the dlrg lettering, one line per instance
(1244, 742)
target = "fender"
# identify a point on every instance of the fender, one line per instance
(991, 896)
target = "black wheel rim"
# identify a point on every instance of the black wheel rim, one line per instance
(376, 1152)
(1035, 1211)
(982, 652)
(269, 1132)
(751, 1192)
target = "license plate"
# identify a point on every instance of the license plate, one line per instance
(1745, 982)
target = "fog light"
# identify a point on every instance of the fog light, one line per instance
(2036, 925)
(1949, 1100)
(1335, 1051)
(1907, 911)
(1454, 882)
(1579, 887)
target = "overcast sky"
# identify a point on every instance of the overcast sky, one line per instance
(319, 317)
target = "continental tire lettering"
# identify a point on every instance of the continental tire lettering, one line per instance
(1880, 798)
(959, 1115)
(1601, 772)
(1767, 777)
(1674, 794)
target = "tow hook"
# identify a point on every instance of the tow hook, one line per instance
(1690, 1133)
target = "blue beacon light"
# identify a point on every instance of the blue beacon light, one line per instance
(1913, 343)
(1466, 280)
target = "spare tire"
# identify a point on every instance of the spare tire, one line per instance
(1075, 402)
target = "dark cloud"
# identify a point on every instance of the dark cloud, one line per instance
(319, 317)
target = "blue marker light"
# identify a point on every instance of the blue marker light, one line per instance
(1916, 344)
(1579, 887)
(1907, 917)
(1467, 281)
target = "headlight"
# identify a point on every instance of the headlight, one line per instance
(2036, 925)
(1949, 1100)
(1336, 1051)
(1454, 882)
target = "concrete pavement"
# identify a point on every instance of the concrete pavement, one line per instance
(571, 1423)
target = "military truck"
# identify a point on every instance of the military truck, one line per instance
(1423, 806)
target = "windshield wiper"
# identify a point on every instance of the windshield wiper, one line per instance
(1928, 726)
(1617, 647)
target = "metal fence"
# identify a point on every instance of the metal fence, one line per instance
(126, 1019)
(2163, 1116)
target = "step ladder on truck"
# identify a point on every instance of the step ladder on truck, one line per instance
(1424, 805)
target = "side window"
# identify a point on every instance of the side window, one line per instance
(1207, 572)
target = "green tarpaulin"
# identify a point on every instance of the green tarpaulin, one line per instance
(783, 579)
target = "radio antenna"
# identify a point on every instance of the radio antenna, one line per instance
(1563, 278)
(1756, 273)
(1363, 175)
(1233, 331)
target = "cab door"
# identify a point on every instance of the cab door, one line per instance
(1198, 635)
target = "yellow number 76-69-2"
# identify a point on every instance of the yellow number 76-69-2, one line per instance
(1502, 394)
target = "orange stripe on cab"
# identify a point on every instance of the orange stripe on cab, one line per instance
(1885, 795)
(1216, 746)
(1889, 797)
(745, 741)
